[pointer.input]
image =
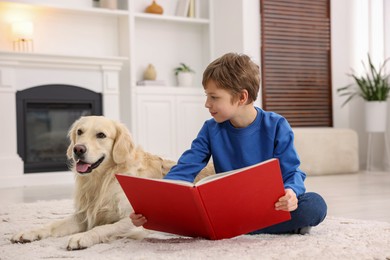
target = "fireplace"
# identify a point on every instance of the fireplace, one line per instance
(44, 115)
(46, 74)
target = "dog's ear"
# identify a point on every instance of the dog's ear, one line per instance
(123, 145)
(72, 138)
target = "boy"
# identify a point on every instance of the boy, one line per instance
(240, 135)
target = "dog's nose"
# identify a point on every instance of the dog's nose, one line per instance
(79, 149)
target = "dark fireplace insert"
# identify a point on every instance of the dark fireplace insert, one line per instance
(44, 116)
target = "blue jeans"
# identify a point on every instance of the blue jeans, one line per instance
(311, 211)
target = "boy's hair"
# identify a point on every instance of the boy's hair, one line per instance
(234, 72)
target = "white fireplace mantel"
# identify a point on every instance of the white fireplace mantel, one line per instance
(44, 60)
(19, 71)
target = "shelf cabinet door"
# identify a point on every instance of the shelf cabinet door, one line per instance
(155, 124)
(191, 115)
(167, 124)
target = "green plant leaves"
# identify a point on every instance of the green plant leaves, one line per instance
(183, 68)
(373, 86)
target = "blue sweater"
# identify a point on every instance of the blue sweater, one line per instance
(269, 136)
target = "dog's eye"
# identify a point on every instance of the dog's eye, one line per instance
(100, 135)
(79, 132)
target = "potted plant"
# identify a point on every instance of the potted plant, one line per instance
(374, 89)
(184, 75)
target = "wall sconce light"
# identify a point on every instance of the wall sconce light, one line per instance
(23, 36)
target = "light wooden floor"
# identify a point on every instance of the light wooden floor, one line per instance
(365, 195)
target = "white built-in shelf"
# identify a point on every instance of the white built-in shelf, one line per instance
(168, 90)
(61, 60)
(59, 8)
(171, 18)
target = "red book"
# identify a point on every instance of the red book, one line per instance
(221, 206)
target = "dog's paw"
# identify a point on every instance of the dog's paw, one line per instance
(80, 241)
(27, 237)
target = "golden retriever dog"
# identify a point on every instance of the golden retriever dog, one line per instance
(100, 148)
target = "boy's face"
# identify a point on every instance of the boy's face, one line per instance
(219, 102)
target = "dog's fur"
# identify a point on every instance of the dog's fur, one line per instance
(99, 149)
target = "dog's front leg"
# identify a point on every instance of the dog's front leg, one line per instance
(58, 228)
(105, 233)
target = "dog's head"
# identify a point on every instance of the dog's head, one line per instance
(97, 142)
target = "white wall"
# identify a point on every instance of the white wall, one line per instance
(341, 21)
(228, 27)
(387, 55)
(347, 21)
(237, 27)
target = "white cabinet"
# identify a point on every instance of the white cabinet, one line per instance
(168, 122)
(190, 117)
(155, 124)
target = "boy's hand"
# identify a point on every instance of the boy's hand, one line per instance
(137, 219)
(288, 202)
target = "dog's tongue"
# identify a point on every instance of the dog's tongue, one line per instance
(82, 167)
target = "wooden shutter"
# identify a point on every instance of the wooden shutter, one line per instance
(296, 75)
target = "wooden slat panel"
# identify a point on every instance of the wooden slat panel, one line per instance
(283, 46)
(295, 37)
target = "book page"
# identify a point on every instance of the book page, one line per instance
(178, 182)
(225, 174)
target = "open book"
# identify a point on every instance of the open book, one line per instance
(219, 206)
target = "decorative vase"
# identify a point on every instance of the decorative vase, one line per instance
(376, 116)
(184, 79)
(154, 8)
(150, 73)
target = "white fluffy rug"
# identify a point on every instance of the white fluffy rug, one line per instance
(335, 238)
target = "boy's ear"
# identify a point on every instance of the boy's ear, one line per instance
(243, 97)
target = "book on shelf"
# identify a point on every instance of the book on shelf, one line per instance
(182, 7)
(220, 206)
(191, 9)
(151, 83)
